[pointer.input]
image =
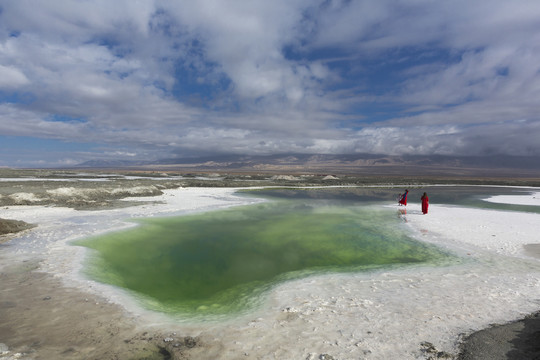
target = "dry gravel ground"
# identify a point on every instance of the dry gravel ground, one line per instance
(519, 340)
(40, 318)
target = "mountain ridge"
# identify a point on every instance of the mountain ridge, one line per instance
(349, 163)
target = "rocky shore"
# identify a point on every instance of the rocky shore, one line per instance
(519, 340)
(8, 227)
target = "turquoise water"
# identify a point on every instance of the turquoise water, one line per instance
(221, 262)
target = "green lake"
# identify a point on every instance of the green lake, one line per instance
(221, 262)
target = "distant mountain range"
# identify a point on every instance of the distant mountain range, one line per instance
(500, 165)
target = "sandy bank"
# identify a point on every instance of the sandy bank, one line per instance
(43, 319)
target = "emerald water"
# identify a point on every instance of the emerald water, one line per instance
(221, 262)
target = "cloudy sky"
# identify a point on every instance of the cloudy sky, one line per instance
(151, 79)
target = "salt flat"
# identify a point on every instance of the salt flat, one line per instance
(377, 315)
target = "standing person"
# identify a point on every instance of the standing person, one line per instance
(403, 198)
(425, 203)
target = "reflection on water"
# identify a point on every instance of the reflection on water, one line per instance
(402, 213)
(220, 262)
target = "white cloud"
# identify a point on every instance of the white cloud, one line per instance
(11, 77)
(266, 76)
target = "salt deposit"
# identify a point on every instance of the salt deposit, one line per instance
(532, 199)
(24, 197)
(385, 314)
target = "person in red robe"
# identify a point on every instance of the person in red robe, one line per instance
(425, 203)
(403, 198)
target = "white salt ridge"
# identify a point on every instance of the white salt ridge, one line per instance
(71, 192)
(24, 197)
(377, 315)
(532, 199)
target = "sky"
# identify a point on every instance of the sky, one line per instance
(145, 80)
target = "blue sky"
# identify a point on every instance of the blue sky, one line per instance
(146, 80)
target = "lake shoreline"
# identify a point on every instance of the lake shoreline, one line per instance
(129, 333)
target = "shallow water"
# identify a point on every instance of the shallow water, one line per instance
(220, 262)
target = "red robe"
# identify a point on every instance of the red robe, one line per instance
(425, 204)
(403, 200)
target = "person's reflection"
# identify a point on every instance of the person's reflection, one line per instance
(402, 213)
